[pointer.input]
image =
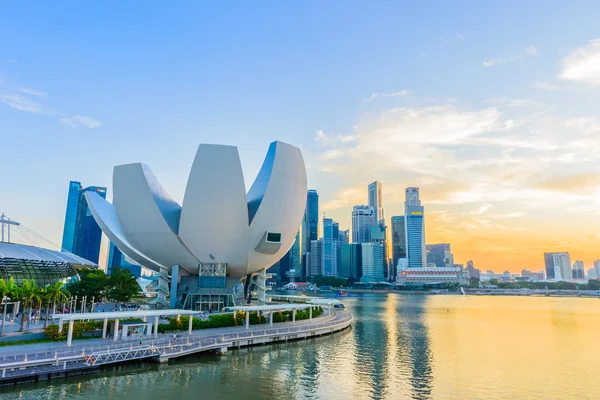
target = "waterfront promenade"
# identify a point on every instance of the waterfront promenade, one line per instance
(47, 360)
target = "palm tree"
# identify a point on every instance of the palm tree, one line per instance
(3, 294)
(55, 294)
(30, 293)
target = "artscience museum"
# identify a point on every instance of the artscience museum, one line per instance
(220, 240)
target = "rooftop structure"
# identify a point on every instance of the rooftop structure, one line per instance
(42, 265)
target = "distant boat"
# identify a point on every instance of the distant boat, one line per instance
(341, 293)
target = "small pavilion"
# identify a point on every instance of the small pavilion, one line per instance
(121, 315)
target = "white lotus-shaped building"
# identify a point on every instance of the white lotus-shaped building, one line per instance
(218, 222)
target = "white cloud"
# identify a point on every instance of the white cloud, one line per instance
(492, 62)
(23, 103)
(460, 36)
(80, 121)
(461, 156)
(34, 92)
(583, 65)
(401, 93)
(333, 139)
(545, 86)
(533, 51)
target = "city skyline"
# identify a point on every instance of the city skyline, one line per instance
(499, 130)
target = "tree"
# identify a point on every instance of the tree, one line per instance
(92, 283)
(122, 285)
(474, 282)
(54, 294)
(31, 295)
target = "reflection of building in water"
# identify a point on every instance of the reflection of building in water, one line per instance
(415, 351)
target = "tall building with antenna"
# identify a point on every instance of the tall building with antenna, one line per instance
(81, 233)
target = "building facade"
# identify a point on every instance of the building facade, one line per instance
(376, 200)
(597, 268)
(351, 261)
(440, 255)
(81, 233)
(549, 264)
(311, 219)
(415, 229)
(372, 258)
(117, 259)
(331, 247)
(578, 270)
(398, 238)
(563, 262)
(363, 219)
(316, 257)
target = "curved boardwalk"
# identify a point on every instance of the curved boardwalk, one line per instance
(52, 360)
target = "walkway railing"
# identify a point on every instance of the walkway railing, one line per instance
(128, 350)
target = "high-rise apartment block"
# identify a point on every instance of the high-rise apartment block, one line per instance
(562, 261)
(81, 233)
(578, 270)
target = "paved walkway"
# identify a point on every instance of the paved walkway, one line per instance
(40, 351)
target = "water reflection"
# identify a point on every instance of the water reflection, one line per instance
(400, 347)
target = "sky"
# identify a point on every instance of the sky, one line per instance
(490, 108)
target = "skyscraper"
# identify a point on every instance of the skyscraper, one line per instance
(296, 253)
(563, 262)
(440, 255)
(549, 264)
(311, 219)
(398, 239)
(351, 261)
(363, 219)
(316, 254)
(376, 200)
(415, 229)
(81, 233)
(372, 261)
(118, 259)
(378, 235)
(597, 268)
(330, 247)
(578, 270)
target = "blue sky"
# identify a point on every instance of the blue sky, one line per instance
(490, 107)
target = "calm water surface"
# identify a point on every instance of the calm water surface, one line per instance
(400, 347)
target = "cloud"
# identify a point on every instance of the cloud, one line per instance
(15, 98)
(401, 93)
(460, 36)
(80, 121)
(24, 104)
(533, 51)
(492, 62)
(34, 92)
(583, 65)
(545, 86)
(330, 140)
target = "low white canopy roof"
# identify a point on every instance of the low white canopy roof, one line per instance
(270, 307)
(122, 314)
